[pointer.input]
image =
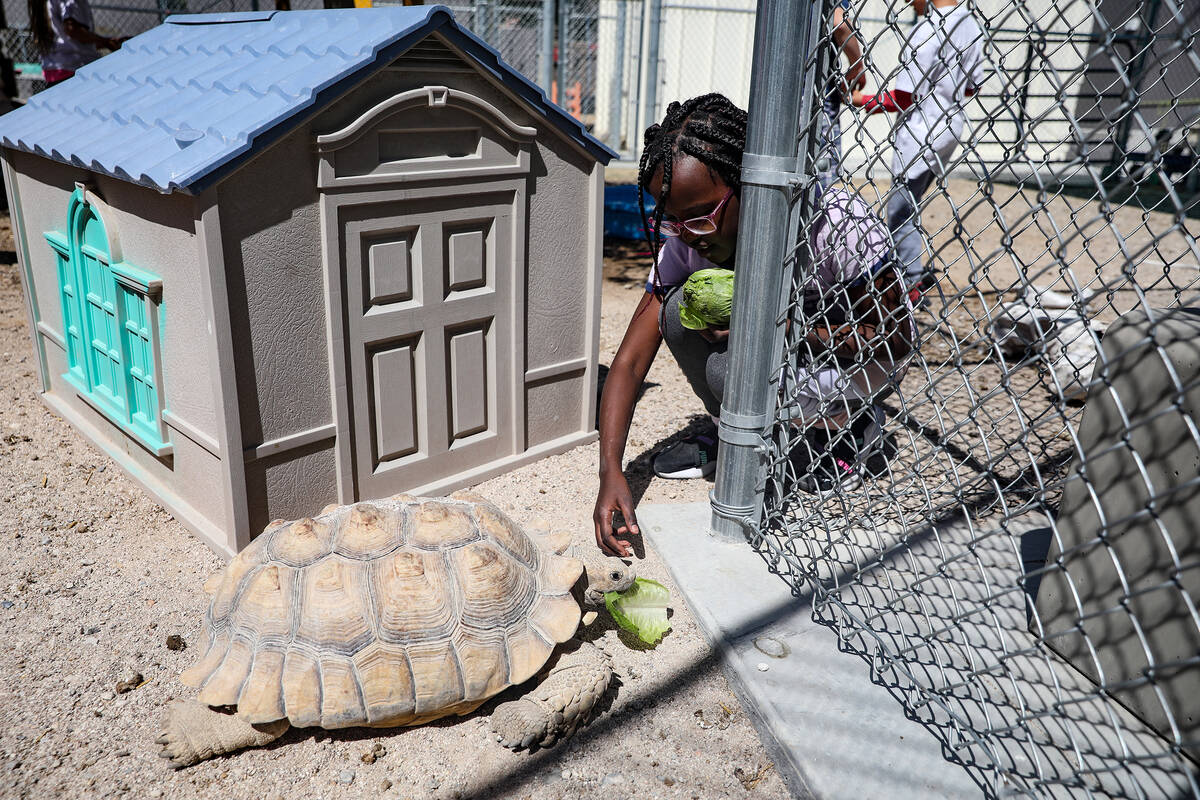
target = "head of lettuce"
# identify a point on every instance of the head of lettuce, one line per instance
(707, 299)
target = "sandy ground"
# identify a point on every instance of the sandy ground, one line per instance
(96, 576)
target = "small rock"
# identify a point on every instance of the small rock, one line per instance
(155, 793)
(763, 666)
(87, 562)
(81, 527)
(69, 586)
(432, 783)
(566, 775)
(668, 780)
(121, 753)
(175, 642)
(7, 604)
(45, 540)
(384, 785)
(91, 631)
(346, 777)
(612, 779)
(131, 683)
(107, 696)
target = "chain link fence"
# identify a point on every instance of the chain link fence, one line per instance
(999, 506)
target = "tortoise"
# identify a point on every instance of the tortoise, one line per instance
(391, 613)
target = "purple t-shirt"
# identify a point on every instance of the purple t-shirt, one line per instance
(846, 237)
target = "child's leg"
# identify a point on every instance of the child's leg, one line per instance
(829, 159)
(903, 221)
(703, 362)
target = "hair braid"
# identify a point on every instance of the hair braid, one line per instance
(711, 129)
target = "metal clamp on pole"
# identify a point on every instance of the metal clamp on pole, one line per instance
(742, 516)
(776, 172)
(742, 429)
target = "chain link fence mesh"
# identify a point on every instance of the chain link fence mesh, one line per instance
(1009, 530)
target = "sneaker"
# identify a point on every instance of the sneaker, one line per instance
(693, 457)
(832, 462)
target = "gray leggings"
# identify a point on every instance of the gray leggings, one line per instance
(703, 362)
(904, 221)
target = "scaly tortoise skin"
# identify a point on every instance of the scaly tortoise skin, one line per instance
(389, 613)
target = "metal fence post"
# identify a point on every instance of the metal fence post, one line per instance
(618, 80)
(650, 93)
(546, 56)
(784, 38)
(564, 44)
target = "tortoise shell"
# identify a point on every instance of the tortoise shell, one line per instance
(393, 612)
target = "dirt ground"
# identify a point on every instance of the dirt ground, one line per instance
(96, 576)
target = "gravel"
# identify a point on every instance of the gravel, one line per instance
(96, 577)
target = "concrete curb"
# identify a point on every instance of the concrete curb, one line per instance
(832, 732)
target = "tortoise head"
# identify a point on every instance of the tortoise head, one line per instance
(603, 574)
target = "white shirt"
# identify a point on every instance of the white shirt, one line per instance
(67, 53)
(941, 60)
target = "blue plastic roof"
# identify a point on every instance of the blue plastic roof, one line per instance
(181, 105)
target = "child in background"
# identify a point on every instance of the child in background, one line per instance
(941, 65)
(64, 36)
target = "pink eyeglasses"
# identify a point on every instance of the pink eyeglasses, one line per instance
(701, 226)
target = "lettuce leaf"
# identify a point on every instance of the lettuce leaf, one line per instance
(641, 609)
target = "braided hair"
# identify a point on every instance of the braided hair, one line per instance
(711, 129)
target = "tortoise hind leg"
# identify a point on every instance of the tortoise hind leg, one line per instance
(195, 732)
(558, 705)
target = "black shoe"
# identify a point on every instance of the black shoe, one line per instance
(828, 462)
(693, 457)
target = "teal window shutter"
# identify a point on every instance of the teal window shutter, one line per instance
(111, 317)
(69, 295)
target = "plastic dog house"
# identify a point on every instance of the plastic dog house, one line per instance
(276, 260)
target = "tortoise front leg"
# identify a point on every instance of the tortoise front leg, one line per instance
(195, 732)
(558, 705)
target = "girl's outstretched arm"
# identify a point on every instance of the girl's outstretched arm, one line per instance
(625, 377)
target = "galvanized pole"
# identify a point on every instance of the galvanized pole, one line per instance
(546, 57)
(618, 81)
(650, 92)
(564, 44)
(785, 36)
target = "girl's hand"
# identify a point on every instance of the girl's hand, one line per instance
(614, 497)
(715, 335)
(858, 98)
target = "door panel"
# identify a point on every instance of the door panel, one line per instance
(469, 373)
(428, 310)
(395, 391)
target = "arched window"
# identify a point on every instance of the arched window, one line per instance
(111, 321)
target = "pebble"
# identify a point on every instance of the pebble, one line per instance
(175, 642)
(155, 793)
(87, 562)
(566, 775)
(346, 776)
(763, 666)
(384, 785)
(612, 779)
(7, 604)
(107, 696)
(81, 527)
(668, 780)
(130, 683)
(45, 540)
